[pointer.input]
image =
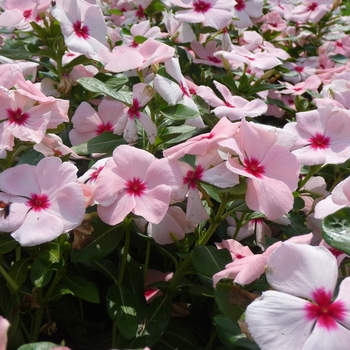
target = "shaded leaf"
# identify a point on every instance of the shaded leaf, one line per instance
(82, 288)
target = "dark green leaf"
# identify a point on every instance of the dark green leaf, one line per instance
(208, 260)
(95, 85)
(31, 157)
(121, 307)
(7, 243)
(339, 58)
(19, 271)
(336, 230)
(228, 330)
(104, 240)
(41, 272)
(50, 252)
(82, 288)
(178, 112)
(104, 143)
(221, 293)
(297, 225)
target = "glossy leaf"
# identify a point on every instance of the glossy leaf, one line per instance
(41, 272)
(336, 230)
(38, 346)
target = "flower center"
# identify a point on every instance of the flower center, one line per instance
(324, 311)
(94, 175)
(201, 6)
(193, 175)
(240, 5)
(299, 69)
(38, 202)
(253, 167)
(312, 6)
(140, 12)
(214, 59)
(17, 116)
(135, 187)
(27, 13)
(104, 128)
(80, 30)
(319, 141)
(134, 110)
(184, 89)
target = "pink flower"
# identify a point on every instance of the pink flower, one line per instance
(18, 13)
(200, 144)
(52, 145)
(311, 83)
(126, 122)
(213, 13)
(174, 224)
(124, 58)
(310, 11)
(154, 276)
(272, 171)
(301, 309)
(324, 136)
(135, 181)
(82, 25)
(206, 53)
(245, 10)
(247, 267)
(233, 107)
(87, 123)
(45, 201)
(4, 326)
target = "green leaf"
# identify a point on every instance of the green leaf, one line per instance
(104, 240)
(58, 292)
(153, 321)
(31, 157)
(297, 225)
(9, 309)
(221, 294)
(18, 53)
(41, 272)
(336, 230)
(228, 330)
(82, 59)
(339, 58)
(104, 143)
(95, 85)
(50, 251)
(19, 272)
(82, 288)
(208, 260)
(121, 307)
(7, 243)
(176, 336)
(178, 112)
(38, 346)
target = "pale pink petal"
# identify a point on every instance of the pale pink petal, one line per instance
(169, 90)
(195, 211)
(4, 326)
(159, 198)
(118, 210)
(149, 127)
(209, 96)
(343, 297)
(276, 313)
(298, 262)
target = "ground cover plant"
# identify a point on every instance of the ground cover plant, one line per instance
(174, 174)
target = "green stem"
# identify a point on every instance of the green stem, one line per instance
(126, 223)
(9, 280)
(183, 267)
(313, 170)
(37, 318)
(114, 335)
(211, 340)
(148, 253)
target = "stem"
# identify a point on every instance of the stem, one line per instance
(38, 318)
(9, 280)
(114, 335)
(202, 241)
(211, 340)
(148, 253)
(126, 223)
